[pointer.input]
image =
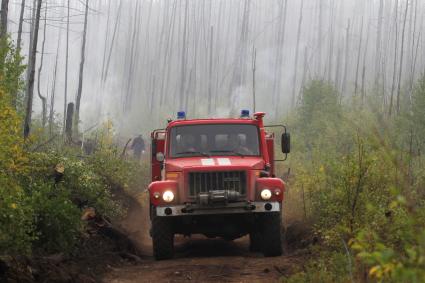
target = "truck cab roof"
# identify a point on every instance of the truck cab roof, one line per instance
(212, 121)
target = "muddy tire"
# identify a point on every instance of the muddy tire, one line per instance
(255, 241)
(271, 234)
(162, 238)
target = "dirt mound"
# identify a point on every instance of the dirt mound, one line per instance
(98, 251)
(102, 247)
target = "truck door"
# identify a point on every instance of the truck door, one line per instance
(270, 150)
(158, 146)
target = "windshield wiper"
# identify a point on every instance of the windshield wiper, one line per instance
(227, 151)
(194, 152)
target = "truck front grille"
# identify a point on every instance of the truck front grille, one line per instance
(201, 182)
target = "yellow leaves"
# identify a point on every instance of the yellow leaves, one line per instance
(382, 271)
(13, 205)
(375, 271)
(13, 157)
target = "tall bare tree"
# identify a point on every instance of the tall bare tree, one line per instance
(363, 88)
(30, 85)
(65, 100)
(53, 91)
(3, 17)
(81, 73)
(347, 58)
(356, 83)
(391, 106)
(378, 51)
(183, 64)
(40, 68)
(277, 80)
(132, 56)
(403, 33)
(294, 79)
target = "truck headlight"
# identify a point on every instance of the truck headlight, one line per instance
(266, 194)
(168, 196)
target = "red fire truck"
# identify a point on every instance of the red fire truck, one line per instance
(216, 177)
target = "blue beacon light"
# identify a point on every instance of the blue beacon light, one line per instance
(181, 115)
(245, 114)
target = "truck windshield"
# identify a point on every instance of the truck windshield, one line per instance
(214, 140)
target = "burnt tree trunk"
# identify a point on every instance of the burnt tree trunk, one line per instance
(30, 86)
(53, 93)
(378, 52)
(81, 73)
(111, 48)
(395, 59)
(356, 83)
(183, 66)
(40, 68)
(3, 15)
(21, 22)
(294, 79)
(68, 122)
(403, 33)
(347, 58)
(279, 55)
(66, 67)
(363, 89)
(128, 93)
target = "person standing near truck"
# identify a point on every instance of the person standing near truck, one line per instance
(138, 147)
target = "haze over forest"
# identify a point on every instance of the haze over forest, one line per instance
(147, 59)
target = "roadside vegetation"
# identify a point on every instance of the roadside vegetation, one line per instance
(48, 187)
(358, 175)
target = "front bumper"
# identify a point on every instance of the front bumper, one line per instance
(231, 208)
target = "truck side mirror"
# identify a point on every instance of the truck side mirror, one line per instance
(286, 143)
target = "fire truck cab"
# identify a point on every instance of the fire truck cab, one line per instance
(216, 177)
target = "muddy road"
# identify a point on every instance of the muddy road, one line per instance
(199, 259)
(208, 260)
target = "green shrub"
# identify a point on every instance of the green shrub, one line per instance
(328, 267)
(361, 177)
(397, 254)
(56, 219)
(16, 226)
(16, 222)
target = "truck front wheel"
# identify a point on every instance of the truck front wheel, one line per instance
(162, 238)
(255, 241)
(271, 234)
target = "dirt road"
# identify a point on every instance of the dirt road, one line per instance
(199, 259)
(207, 260)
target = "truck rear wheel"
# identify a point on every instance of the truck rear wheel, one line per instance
(272, 234)
(162, 238)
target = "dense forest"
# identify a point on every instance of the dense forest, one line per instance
(346, 77)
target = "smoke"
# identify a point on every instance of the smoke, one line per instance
(163, 57)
